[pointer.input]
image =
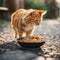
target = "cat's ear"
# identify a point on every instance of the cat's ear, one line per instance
(32, 13)
(42, 12)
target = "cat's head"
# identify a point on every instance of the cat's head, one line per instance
(35, 17)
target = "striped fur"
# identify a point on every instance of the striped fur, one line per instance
(23, 21)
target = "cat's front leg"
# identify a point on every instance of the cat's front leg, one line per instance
(29, 33)
(15, 31)
(20, 34)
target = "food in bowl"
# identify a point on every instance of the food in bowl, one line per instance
(33, 39)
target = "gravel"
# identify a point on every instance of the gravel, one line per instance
(49, 29)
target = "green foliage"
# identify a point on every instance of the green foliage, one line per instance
(35, 4)
(2, 22)
(50, 6)
(1, 2)
(52, 9)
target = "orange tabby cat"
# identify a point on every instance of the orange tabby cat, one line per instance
(23, 21)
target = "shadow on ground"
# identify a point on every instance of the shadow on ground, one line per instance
(12, 46)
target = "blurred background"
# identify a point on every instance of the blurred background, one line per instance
(49, 29)
(7, 7)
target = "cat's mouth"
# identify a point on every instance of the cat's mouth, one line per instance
(37, 24)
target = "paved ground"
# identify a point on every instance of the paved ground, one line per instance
(49, 29)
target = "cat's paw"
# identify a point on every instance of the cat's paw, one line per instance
(20, 38)
(27, 37)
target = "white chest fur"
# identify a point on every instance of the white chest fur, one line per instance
(28, 27)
